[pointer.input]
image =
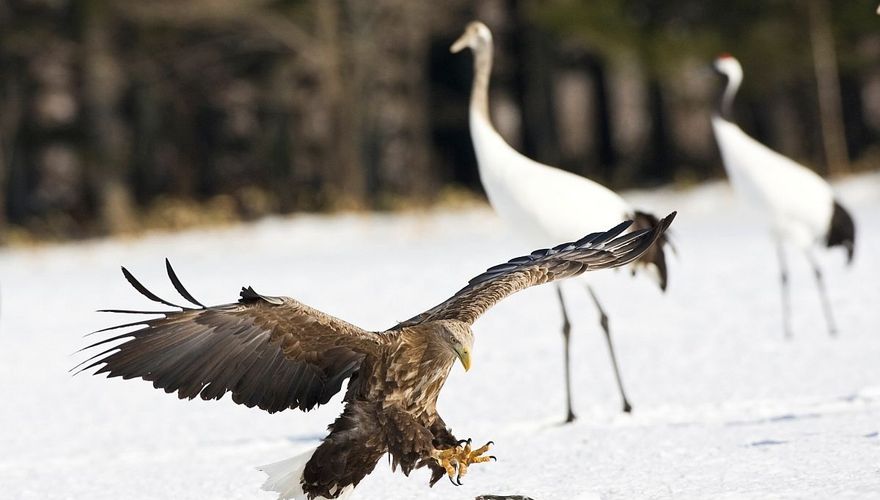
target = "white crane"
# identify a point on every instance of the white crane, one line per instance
(799, 205)
(545, 204)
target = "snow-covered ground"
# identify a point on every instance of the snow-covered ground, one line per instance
(724, 407)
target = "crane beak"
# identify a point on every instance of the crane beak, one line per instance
(459, 44)
(464, 355)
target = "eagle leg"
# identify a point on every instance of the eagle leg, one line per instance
(456, 460)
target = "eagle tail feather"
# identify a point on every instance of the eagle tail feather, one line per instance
(285, 477)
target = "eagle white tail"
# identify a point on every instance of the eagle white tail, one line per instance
(285, 477)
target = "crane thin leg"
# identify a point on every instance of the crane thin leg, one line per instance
(603, 320)
(566, 334)
(826, 304)
(786, 299)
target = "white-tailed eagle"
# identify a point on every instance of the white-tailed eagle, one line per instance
(277, 353)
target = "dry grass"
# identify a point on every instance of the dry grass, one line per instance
(177, 214)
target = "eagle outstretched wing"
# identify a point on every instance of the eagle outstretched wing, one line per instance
(594, 251)
(272, 352)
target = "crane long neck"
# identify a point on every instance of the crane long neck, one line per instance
(725, 104)
(482, 72)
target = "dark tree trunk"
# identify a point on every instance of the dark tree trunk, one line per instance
(340, 86)
(828, 87)
(108, 157)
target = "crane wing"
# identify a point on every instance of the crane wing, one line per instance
(272, 352)
(594, 251)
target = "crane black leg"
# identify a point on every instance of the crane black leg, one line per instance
(826, 304)
(566, 333)
(603, 320)
(786, 301)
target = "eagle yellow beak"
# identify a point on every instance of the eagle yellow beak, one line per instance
(464, 355)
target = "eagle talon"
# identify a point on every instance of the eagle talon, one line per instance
(457, 459)
(479, 451)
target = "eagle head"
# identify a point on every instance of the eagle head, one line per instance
(458, 338)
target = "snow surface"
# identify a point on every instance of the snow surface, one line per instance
(724, 407)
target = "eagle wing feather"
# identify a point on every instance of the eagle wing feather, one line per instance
(592, 252)
(271, 352)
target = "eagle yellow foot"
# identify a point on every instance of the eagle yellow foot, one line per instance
(457, 459)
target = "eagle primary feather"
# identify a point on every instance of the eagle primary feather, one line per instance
(277, 353)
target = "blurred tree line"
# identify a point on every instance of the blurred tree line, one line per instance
(116, 114)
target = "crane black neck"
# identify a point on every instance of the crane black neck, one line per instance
(724, 106)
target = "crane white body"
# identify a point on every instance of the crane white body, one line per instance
(797, 201)
(798, 204)
(543, 203)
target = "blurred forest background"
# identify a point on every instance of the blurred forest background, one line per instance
(119, 115)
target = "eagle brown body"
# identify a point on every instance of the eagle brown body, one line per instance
(277, 353)
(391, 407)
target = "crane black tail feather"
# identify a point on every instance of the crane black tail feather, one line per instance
(842, 231)
(656, 255)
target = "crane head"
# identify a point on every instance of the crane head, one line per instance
(476, 36)
(728, 66)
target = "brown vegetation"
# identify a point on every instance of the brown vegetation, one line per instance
(120, 115)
